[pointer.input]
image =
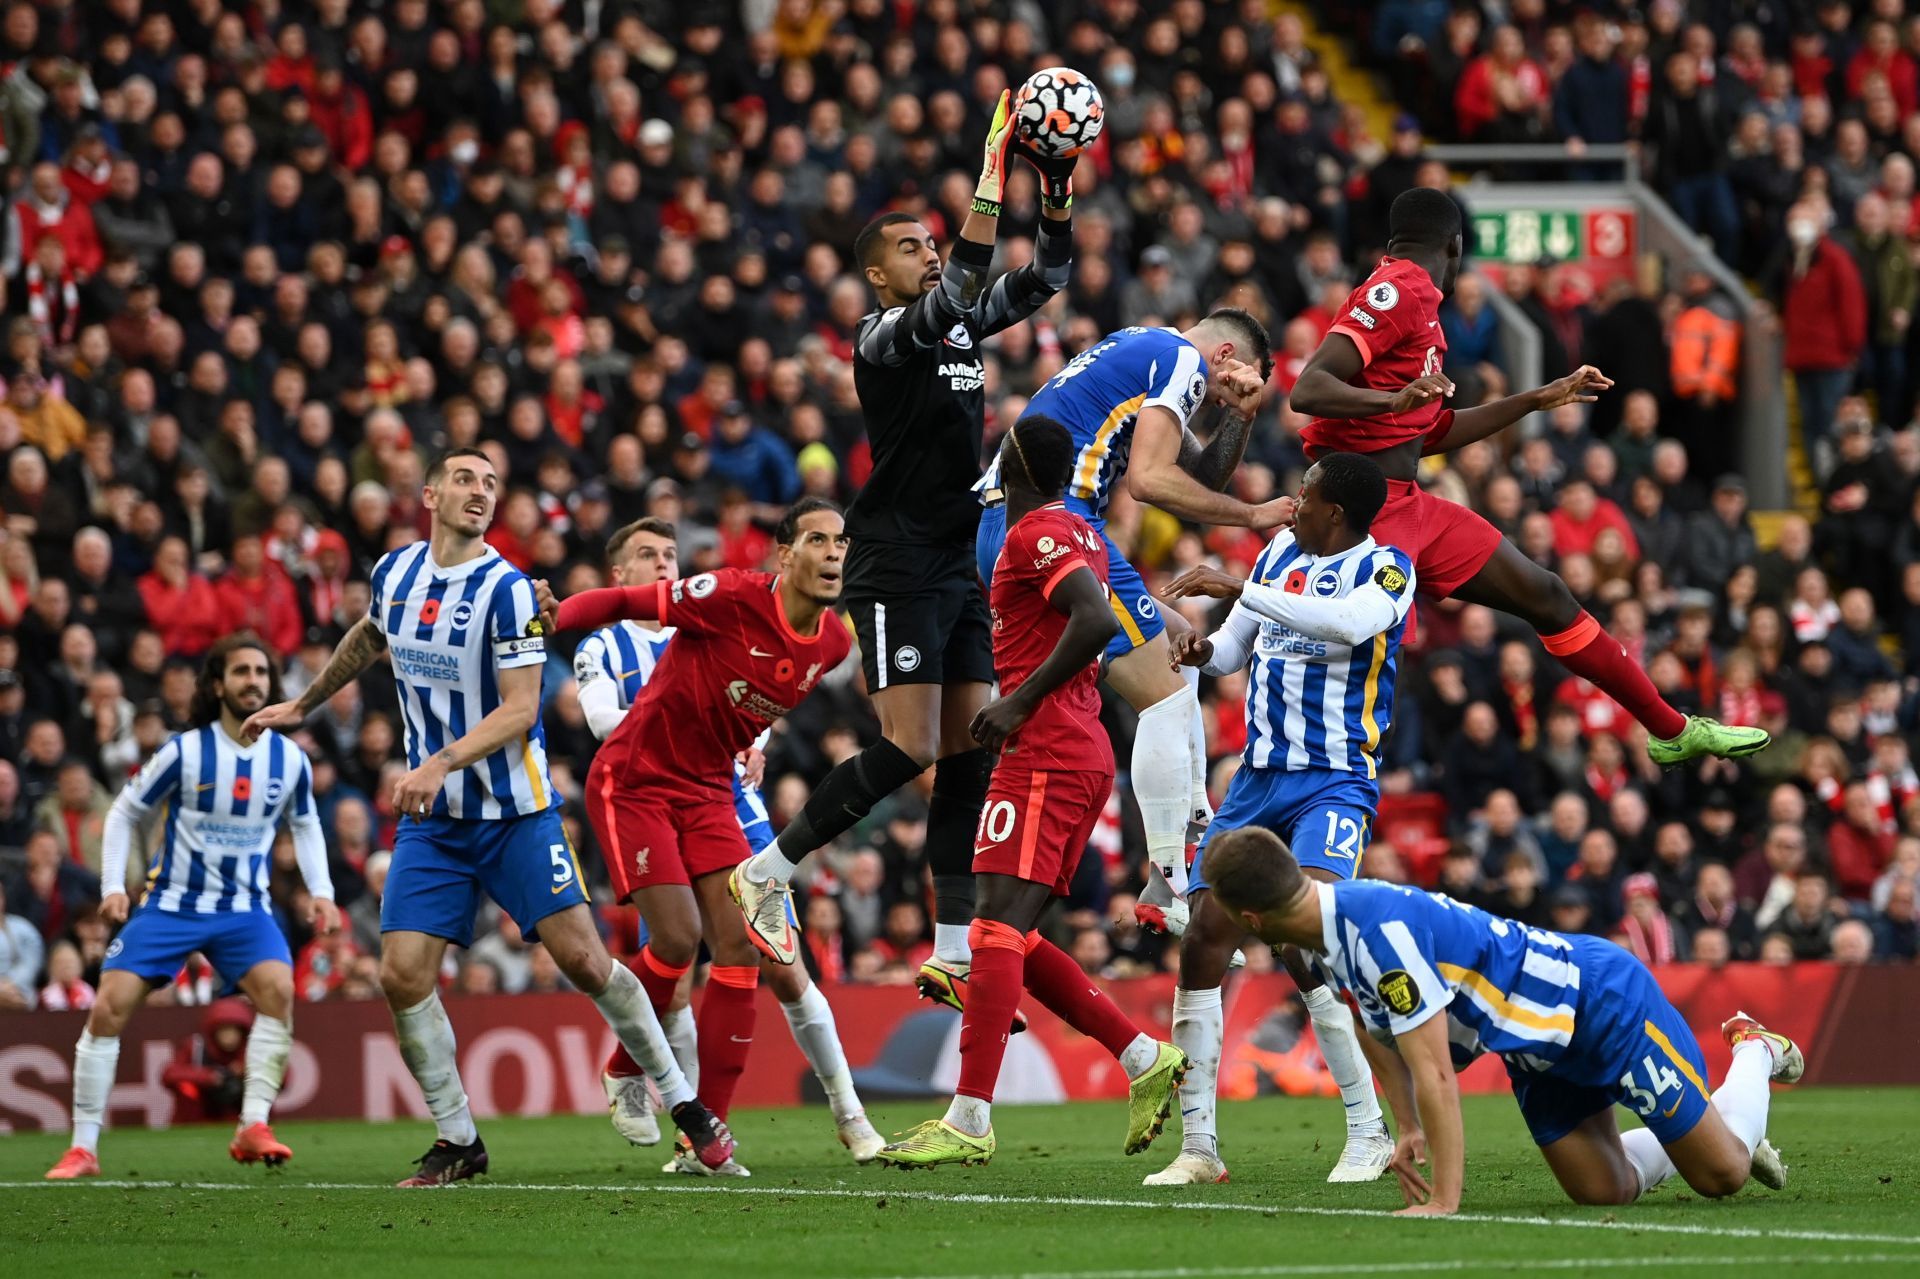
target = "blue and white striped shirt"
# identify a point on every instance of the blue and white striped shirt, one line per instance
(1318, 698)
(1100, 395)
(1406, 956)
(621, 659)
(450, 632)
(222, 806)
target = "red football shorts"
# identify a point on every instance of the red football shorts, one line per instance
(1447, 542)
(649, 836)
(1037, 822)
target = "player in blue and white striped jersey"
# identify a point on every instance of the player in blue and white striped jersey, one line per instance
(1580, 1024)
(1320, 622)
(223, 805)
(478, 811)
(611, 667)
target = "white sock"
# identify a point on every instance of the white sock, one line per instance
(269, 1045)
(1137, 1058)
(1163, 775)
(970, 1115)
(1198, 1028)
(426, 1042)
(1745, 1094)
(1648, 1157)
(685, 1040)
(768, 864)
(1199, 801)
(95, 1060)
(1340, 1049)
(810, 1018)
(950, 943)
(623, 1002)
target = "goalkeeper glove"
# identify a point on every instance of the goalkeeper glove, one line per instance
(1056, 175)
(988, 195)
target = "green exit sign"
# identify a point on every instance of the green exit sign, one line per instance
(1526, 235)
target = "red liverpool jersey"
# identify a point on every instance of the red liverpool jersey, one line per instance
(734, 668)
(1040, 550)
(1394, 318)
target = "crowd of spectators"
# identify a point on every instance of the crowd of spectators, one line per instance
(260, 261)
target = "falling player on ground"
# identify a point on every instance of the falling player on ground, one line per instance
(207, 892)
(1321, 622)
(613, 666)
(1051, 620)
(1375, 386)
(912, 592)
(1128, 402)
(1580, 1024)
(478, 811)
(747, 648)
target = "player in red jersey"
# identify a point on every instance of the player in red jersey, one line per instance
(1375, 386)
(1051, 621)
(749, 647)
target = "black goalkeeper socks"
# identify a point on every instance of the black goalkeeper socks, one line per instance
(846, 795)
(953, 819)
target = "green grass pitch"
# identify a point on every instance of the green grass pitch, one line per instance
(567, 1197)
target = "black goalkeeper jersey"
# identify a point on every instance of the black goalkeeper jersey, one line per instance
(922, 386)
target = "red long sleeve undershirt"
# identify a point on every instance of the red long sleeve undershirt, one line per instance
(590, 610)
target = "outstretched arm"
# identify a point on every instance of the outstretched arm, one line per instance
(358, 649)
(1326, 389)
(1436, 1092)
(1090, 625)
(590, 610)
(1582, 386)
(1019, 293)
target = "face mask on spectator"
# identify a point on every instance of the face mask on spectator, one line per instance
(1120, 76)
(465, 153)
(1803, 232)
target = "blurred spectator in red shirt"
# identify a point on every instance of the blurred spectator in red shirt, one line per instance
(257, 595)
(181, 604)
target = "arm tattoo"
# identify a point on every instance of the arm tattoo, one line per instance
(362, 645)
(1214, 463)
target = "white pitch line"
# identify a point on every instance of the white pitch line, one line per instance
(1018, 1201)
(1433, 1267)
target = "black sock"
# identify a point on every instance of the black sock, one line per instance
(846, 795)
(953, 819)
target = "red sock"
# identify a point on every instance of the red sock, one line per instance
(993, 993)
(726, 1032)
(1589, 652)
(1057, 982)
(659, 980)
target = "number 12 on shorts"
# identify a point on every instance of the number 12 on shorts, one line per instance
(1343, 836)
(1661, 1080)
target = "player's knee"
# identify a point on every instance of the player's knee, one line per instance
(674, 942)
(586, 965)
(1720, 1177)
(919, 742)
(403, 987)
(1604, 1193)
(275, 999)
(787, 981)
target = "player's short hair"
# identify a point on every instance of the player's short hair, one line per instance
(1355, 483)
(1252, 869)
(873, 237)
(1257, 348)
(1042, 449)
(437, 471)
(1425, 217)
(205, 707)
(617, 544)
(788, 529)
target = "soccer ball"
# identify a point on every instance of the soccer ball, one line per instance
(1058, 111)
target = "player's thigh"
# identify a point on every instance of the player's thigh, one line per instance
(1144, 676)
(121, 993)
(1590, 1163)
(637, 828)
(1140, 624)
(960, 703)
(409, 966)
(910, 717)
(1255, 797)
(672, 913)
(1509, 582)
(432, 884)
(269, 984)
(720, 922)
(968, 625)
(1713, 1161)
(1328, 823)
(1004, 899)
(238, 943)
(1450, 544)
(529, 866)
(1206, 950)
(571, 938)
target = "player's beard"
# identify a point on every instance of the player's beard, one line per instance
(243, 703)
(466, 523)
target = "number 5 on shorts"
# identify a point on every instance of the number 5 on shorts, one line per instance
(562, 867)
